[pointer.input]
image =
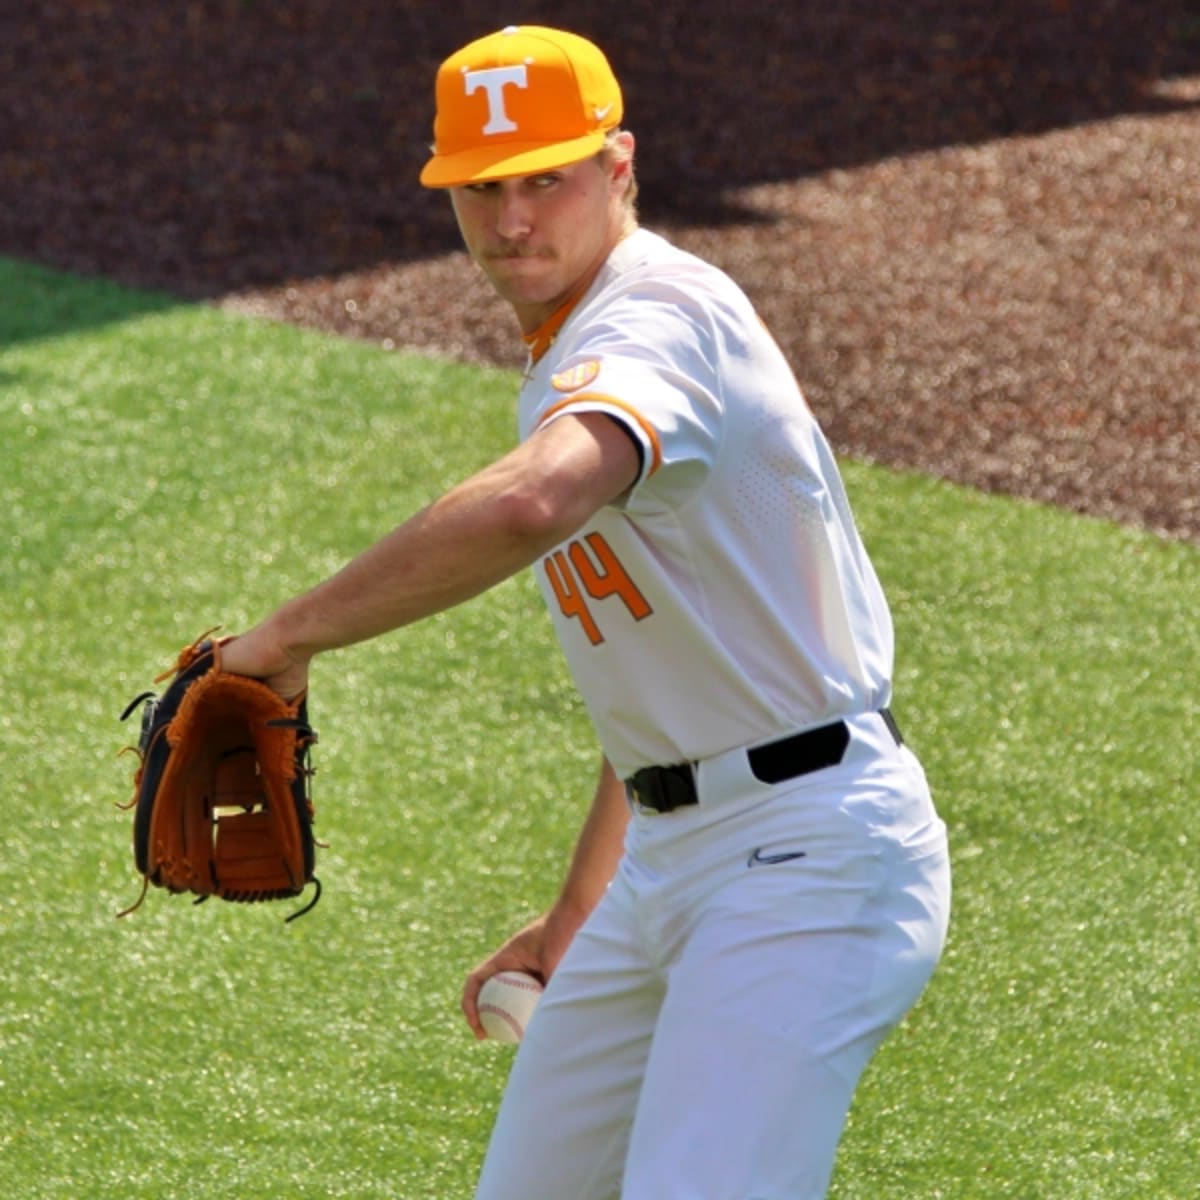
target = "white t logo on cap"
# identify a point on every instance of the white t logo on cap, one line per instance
(493, 82)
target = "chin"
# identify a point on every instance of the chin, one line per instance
(526, 290)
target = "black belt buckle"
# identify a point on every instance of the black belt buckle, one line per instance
(664, 789)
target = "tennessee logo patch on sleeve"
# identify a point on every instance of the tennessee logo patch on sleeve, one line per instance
(576, 377)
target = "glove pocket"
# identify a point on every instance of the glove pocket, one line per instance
(248, 860)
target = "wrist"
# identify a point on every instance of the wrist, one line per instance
(568, 912)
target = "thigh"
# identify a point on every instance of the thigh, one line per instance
(563, 1126)
(788, 984)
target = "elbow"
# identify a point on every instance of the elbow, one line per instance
(536, 518)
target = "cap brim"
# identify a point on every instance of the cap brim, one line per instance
(483, 163)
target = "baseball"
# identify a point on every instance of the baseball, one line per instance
(506, 1002)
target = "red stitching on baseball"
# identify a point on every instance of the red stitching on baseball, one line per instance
(514, 979)
(504, 1015)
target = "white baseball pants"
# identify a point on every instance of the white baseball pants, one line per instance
(704, 1034)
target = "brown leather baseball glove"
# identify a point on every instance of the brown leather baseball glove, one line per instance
(221, 794)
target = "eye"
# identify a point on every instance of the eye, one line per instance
(480, 189)
(549, 179)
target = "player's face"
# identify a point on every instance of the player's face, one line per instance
(539, 238)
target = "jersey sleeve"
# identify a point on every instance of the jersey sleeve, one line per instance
(658, 385)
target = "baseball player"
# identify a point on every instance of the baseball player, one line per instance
(760, 890)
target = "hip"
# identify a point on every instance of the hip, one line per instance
(876, 799)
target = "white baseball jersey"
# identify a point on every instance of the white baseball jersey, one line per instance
(727, 599)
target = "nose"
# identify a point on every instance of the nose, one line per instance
(514, 217)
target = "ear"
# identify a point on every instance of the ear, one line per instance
(621, 157)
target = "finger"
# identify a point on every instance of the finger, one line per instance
(470, 1003)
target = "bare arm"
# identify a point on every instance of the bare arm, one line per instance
(538, 947)
(489, 527)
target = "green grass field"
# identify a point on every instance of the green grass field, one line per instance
(169, 467)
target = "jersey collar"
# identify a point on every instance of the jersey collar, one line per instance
(542, 338)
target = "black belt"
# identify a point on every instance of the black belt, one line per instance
(664, 789)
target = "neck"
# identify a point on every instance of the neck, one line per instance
(540, 337)
(531, 317)
(540, 324)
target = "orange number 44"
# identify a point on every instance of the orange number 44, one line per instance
(592, 571)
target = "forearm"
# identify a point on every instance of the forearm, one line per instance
(598, 848)
(458, 547)
(487, 528)
(539, 947)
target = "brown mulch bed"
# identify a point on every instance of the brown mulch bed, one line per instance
(975, 228)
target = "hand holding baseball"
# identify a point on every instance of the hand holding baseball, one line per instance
(506, 1003)
(522, 955)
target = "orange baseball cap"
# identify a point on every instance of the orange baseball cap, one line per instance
(518, 102)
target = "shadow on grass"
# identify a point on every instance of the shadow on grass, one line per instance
(38, 302)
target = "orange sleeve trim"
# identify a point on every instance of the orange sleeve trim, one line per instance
(628, 409)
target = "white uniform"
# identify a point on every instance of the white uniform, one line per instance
(703, 1036)
(762, 613)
